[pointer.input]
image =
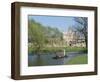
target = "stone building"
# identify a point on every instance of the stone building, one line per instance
(73, 38)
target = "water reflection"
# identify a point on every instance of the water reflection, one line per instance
(47, 59)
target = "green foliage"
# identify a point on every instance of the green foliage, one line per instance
(76, 49)
(36, 35)
(58, 49)
(39, 35)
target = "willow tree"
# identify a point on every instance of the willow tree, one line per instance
(40, 36)
(36, 35)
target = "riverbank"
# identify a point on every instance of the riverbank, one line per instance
(81, 59)
(57, 49)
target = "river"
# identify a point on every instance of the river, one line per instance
(48, 59)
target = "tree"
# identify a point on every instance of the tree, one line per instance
(54, 35)
(41, 36)
(82, 27)
(36, 35)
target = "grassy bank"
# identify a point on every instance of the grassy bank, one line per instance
(78, 60)
(57, 49)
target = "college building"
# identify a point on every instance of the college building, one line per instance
(73, 38)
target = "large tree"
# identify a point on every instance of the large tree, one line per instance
(36, 35)
(82, 27)
(40, 36)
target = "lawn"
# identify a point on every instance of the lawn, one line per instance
(57, 49)
(78, 60)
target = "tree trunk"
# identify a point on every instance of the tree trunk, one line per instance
(86, 42)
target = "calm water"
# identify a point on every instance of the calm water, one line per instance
(48, 59)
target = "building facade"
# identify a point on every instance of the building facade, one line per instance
(73, 38)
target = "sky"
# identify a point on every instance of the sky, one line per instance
(60, 22)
